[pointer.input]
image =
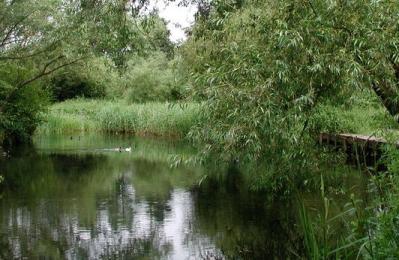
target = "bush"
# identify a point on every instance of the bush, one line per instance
(384, 223)
(19, 107)
(71, 85)
(152, 79)
(94, 79)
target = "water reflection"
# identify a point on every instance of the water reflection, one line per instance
(38, 232)
(67, 199)
(85, 205)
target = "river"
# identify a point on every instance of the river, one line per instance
(76, 197)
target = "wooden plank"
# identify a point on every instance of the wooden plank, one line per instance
(359, 148)
(351, 138)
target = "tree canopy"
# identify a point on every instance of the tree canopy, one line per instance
(41, 37)
(264, 66)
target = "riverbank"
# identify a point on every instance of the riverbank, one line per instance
(363, 118)
(165, 119)
(156, 119)
(175, 120)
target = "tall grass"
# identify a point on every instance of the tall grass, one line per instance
(118, 117)
(362, 114)
(321, 240)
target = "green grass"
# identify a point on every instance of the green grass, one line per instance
(368, 120)
(364, 116)
(80, 115)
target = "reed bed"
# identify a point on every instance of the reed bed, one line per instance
(80, 115)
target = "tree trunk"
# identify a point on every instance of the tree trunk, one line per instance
(389, 95)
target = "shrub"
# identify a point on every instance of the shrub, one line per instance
(94, 79)
(19, 107)
(70, 85)
(152, 79)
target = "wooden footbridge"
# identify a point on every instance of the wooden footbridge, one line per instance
(359, 148)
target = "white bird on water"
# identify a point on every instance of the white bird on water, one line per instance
(129, 149)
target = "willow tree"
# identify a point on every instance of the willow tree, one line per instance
(264, 66)
(40, 37)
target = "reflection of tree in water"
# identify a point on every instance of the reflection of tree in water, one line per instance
(54, 221)
(97, 206)
(106, 209)
(242, 223)
(47, 230)
(89, 206)
(154, 184)
(76, 164)
(22, 173)
(78, 205)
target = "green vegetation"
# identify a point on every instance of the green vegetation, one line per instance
(361, 114)
(153, 79)
(159, 119)
(56, 50)
(274, 74)
(263, 66)
(20, 111)
(255, 81)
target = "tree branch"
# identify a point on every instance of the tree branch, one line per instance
(52, 45)
(10, 31)
(44, 72)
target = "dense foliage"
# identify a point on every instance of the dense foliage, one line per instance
(264, 66)
(19, 110)
(153, 79)
(273, 73)
(67, 49)
(269, 76)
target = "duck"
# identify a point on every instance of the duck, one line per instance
(129, 149)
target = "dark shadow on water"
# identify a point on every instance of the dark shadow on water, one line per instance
(247, 227)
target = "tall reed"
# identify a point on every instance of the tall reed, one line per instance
(118, 117)
(317, 233)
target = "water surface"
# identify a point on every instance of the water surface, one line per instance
(73, 198)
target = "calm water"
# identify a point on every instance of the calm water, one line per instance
(70, 198)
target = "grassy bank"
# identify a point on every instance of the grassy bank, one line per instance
(160, 119)
(365, 116)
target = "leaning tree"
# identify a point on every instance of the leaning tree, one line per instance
(264, 66)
